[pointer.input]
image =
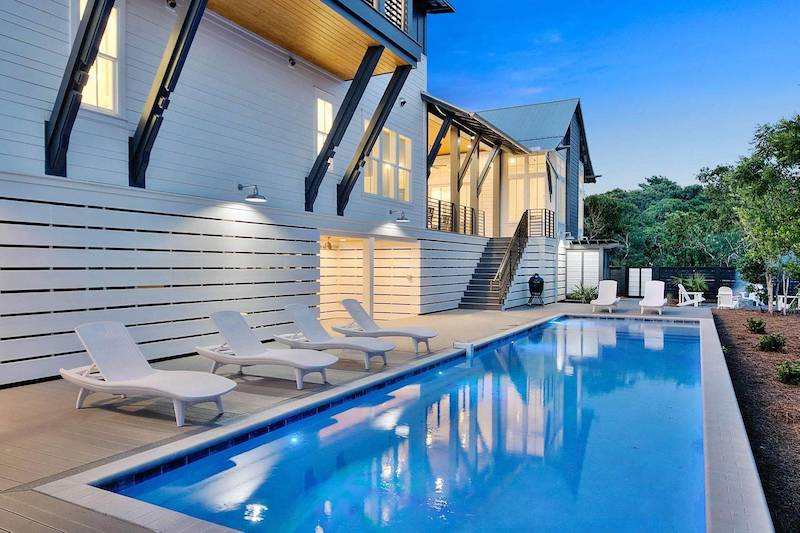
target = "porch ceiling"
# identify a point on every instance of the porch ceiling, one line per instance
(309, 29)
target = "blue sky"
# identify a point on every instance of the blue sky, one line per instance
(666, 87)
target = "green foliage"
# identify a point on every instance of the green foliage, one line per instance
(771, 342)
(789, 372)
(694, 283)
(583, 294)
(763, 190)
(664, 224)
(756, 325)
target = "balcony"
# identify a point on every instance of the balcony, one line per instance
(446, 216)
(335, 34)
(541, 223)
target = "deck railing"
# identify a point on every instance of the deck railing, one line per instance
(393, 10)
(446, 216)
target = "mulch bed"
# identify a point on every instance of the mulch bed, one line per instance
(771, 410)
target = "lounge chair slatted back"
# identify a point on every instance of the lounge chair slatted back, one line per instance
(113, 351)
(360, 315)
(307, 322)
(237, 333)
(684, 294)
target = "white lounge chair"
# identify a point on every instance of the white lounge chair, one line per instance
(243, 348)
(606, 296)
(312, 336)
(725, 299)
(685, 299)
(654, 299)
(119, 367)
(364, 326)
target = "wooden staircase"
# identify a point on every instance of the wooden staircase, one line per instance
(479, 293)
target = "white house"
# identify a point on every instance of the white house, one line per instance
(128, 127)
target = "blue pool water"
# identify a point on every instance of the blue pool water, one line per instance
(576, 425)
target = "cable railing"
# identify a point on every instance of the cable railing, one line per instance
(532, 223)
(446, 216)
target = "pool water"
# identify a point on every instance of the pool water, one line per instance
(575, 425)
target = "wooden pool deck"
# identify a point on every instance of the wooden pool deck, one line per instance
(43, 438)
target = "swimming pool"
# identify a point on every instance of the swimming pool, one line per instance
(576, 424)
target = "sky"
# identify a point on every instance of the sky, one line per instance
(666, 87)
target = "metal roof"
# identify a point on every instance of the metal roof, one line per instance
(436, 7)
(542, 126)
(537, 126)
(475, 124)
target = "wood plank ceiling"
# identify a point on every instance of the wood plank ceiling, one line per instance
(308, 29)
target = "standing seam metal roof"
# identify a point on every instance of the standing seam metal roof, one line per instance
(537, 126)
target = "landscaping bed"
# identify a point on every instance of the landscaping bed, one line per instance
(771, 409)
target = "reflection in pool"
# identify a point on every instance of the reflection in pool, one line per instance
(578, 424)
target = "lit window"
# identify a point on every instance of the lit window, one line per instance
(516, 165)
(101, 90)
(536, 163)
(387, 169)
(324, 121)
(516, 199)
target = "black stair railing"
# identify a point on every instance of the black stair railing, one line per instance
(532, 223)
(505, 272)
(446, 216)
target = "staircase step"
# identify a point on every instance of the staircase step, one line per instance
(484, 307)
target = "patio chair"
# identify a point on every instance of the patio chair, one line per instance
(120, 368)
(606, 296)
(364, 326)
(314, 337)
(243, 348)
(654, 299)
(685, 299)
(725, 298)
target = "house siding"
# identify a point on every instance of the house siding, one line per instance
(573, 185)
(239, 113)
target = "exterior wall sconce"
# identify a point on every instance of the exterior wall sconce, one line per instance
(253, 197)
(401, 218)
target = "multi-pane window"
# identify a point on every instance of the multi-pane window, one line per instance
(101, 91)
(536, 163)
(324, 121)
(387, 169)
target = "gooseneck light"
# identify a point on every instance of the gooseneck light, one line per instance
(253, 197)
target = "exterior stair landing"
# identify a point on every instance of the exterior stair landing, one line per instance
(479, 293)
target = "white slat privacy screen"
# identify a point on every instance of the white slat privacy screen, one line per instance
(78, 254)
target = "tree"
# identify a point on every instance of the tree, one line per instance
(763, 190)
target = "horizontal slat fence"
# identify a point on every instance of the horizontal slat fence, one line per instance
(159, 267)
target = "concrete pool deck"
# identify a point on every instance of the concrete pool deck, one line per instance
(49, 440)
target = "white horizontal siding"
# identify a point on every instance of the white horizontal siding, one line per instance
(540, 257)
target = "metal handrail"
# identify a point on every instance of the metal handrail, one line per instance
(508, 266)
(532, 223)
(447, 216)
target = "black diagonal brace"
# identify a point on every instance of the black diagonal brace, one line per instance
(340, 124)
(462, 171)
(58, 129)
(437, 142)
(370, 136)
(166, 79)
(485, 171)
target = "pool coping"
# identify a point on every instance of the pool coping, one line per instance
(734, 498)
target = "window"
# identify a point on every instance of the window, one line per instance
(387, 169)
(102, 90)
(516, 165)
(536, 163)
(516, 198)
(324, 121)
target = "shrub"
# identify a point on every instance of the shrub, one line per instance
(771, 342)
(789, 372)
(583, 294)
(756, 325)
(694, 283)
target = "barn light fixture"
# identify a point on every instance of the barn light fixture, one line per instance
(253, 197)
(401, 219)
